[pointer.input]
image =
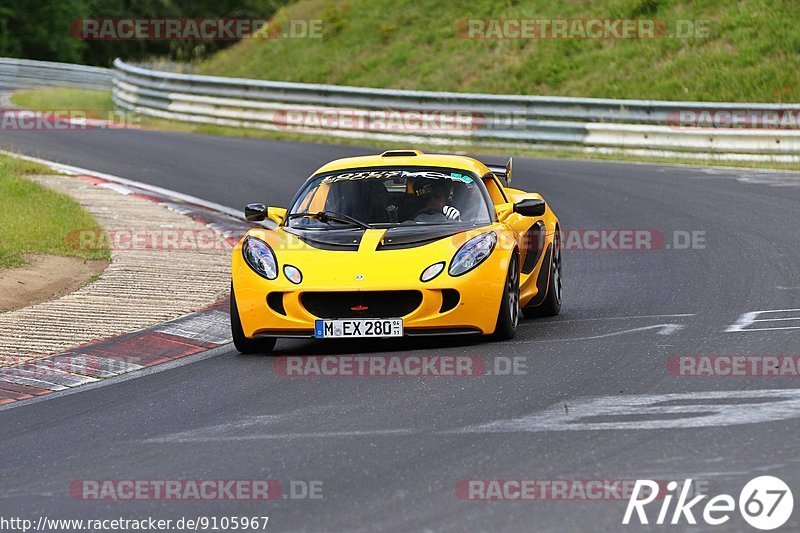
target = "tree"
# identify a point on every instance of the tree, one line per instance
(41, 29)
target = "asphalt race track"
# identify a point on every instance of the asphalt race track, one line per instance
(390, 451)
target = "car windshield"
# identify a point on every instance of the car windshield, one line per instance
(390, 197)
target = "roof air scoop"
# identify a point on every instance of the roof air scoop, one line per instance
(401, 153)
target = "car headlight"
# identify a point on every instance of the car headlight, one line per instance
(293, 274)
(432, 271)
(473, 253)
(260, 257)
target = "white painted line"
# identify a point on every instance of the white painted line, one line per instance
(73, 170)
(282, 436)
(774, 311)
(600, 319)
(262, 427)
(45, 373)
(760, 329)
(663, 329)
(655, 411)
(752, 317)
(19, 380)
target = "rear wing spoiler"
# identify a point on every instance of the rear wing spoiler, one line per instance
(504, 173)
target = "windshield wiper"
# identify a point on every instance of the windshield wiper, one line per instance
(325, 216)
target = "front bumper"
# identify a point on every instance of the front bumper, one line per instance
(467, 304)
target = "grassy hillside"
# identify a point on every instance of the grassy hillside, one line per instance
(753, 53)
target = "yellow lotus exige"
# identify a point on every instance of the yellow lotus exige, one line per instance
(397, 244)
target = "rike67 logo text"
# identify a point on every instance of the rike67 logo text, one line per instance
(765, 503)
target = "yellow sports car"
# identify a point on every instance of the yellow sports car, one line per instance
(397, 244)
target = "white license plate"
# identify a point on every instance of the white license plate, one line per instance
(358, 328)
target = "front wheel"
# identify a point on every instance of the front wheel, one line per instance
(508, 317)
(242, 343)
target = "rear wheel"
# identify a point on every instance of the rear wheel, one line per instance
(242, 343)
(508, 317)
(551, 306)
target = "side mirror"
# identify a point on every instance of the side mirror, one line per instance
(532, 207)
(259, 213)
(255, 212)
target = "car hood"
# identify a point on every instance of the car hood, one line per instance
(398, 237)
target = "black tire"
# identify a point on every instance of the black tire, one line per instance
(242, 343)
(551, 306)
(508, 316)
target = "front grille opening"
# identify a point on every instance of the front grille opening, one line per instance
(275, 302)
(450, 299)
(361, 304)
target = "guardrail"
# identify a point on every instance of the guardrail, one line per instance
(591, 124)
(673, 129)
(29, 73)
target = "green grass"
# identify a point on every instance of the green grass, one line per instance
(752, 54)
(96, 103)
(37, 220)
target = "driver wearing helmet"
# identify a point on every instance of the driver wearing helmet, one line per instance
(436, 193)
